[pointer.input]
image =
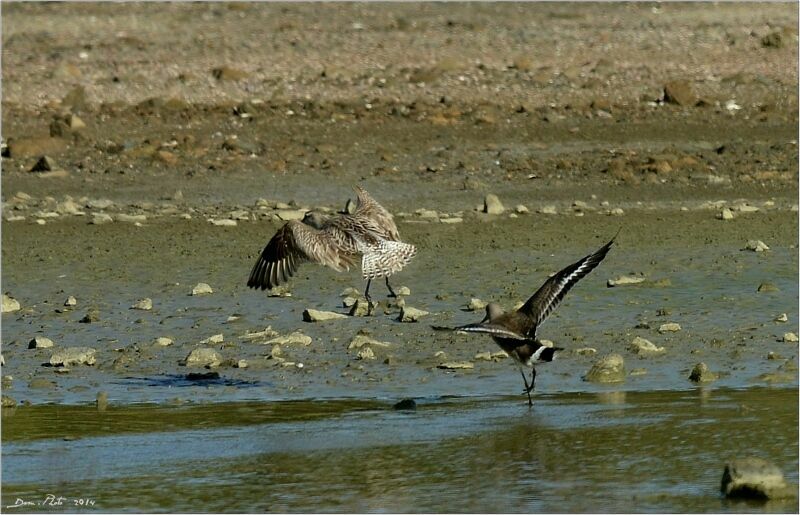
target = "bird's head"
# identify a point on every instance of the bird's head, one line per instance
(314, 219)
(493, 310)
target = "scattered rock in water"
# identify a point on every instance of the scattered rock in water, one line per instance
(73, 356)
(754, 478)
(10, 304)
(725, 214)
(242, 363)
(267, 333)
(669, 327)
(701, 374)
(475, 304)
(365, 353)
(8, 402)
(202, 289)
(101, 218)
(679, 92)
(492, 205)
(767, 288)
(521, 209)
(91, 316)
(313, 315)
(405, 405)
(145, 304)
(163, 341)
(132, 219)
(548, 210)
(360, 340)
(295, 338)
(40, 342)
(402, 291)
(643, 347)
(225, 222)
(457, 365)
(783, 317)
(585, 351)
(409, 314)
(71, 301)
(203, 357)
(214, 339)
(362, 308)
(625, 280)
(790, 338)
(483, 356)
(756, 246)
(610, 369)
(101, 401)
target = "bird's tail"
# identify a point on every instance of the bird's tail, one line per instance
(386, 258)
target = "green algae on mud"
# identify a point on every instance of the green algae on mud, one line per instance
(612, 451)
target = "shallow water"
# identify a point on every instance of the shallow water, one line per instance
(616, 451)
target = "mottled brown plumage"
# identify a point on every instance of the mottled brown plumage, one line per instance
(335, 241)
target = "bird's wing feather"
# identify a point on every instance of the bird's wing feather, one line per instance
(370, 208)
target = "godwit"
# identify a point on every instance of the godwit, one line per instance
(515, 332)
(335, 241)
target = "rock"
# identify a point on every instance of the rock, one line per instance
(100, 203)
(203, 357)
(725, 214)
(457, 365)
(44, 164)
(362, 308)
(366, 353)
(483, 356)
(30, 147)
(790, 338)
(617, 211)
(101, 401)
(267, 333)
(669, 327)
(405, 405)
(360, 340)
(295, 338)
(754, 478)
(521, 209)
(132, 219)
(224, 222)
(402, 291)
(8, 402)
(610, 369)
(586, 351)
(783, 317)
(213, 339)
(409, 314)
(10, 304)
(625, 281)
(548, 210)
(312, 315)
(756, 246)
(492, 205)
(349, 292)
(476, 304)
(701, 374)
(679, 92)
(91, 316)
(644, 347)
(40, 342)
(242, 363)
(145, 304)
(767, 288)
(71, 301)
(163, 341)
(228, 73)
(202, 289)
(73, 356)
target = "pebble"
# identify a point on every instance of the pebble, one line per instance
(679, 92)
(71, 301)
(610, 369)
(457, 365)
(402, 291)
(767, 288)
(586, 351)
(756, 246)
(101, 218)
(669, 327)
(521, 209)
(617, 211)
(296, 338)
(217, 338)
(242, 363)
(451, 220)
(122, 217)
(644, 347)
(44, 164)
(73, 356)
(10, 304)
(91, 316)
(701, 374)
(360, 340)
(783, 317)
(163, 341)
(725, 214)
(483, 356)
(409, 314)
(203, 357)
(100, 203)
(625, 280)
(476, 304)
(202, 289)
(790, 338)
(40, 342)
(754, 478)
(268, 332)
(145, 304)
(223, 223)
(548, 210)
(492, 205)
(313, 315)
(366, 353)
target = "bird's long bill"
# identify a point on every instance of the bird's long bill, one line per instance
(492, 329)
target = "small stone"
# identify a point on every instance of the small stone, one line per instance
(610, 369)
(617, 211)
(767, 288)
(224, 223)
(451, 220)
(131, 219)
(71, 301)
(313, 315)
(405, 405)
(295, 338)
(163, 341)
(101, 401)
(790, 338)
(756, 246)
(40, 342)
(492, 205)
(101, 218)
(93, 315)
(679, 92)
(202, 289)
(268, 332)
(366, 353)
(145, 304)
(10, 304)
(409, 314)
(214, 339)
(402, 291)
(457, 365)
(361, 340)
(483, 356)
(586, 351)
(754, 478)
(644, 347)
(701, 374)
(44, 164)
(669, 327)
(242, 363)
(203, 357)
(548, 210)
(625, 281)
(521, 209)
(476, 304)
(725, 214)
(73, 356)
(783, 317)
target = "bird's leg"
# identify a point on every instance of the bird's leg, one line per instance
(366, 292)
(527, 388)
(533, 377)
(391, 291)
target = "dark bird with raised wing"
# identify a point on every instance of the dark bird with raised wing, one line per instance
(335, 241)
(515, 332)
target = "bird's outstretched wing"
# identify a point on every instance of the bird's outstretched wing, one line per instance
(293, 244)
(550, 294)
